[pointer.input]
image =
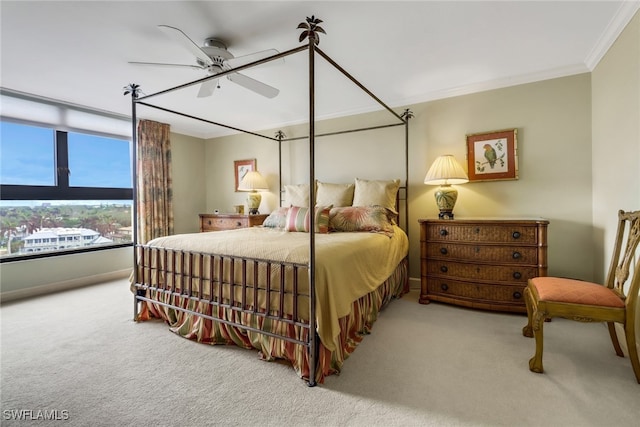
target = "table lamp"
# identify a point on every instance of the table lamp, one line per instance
(445, 171)
(253, 182)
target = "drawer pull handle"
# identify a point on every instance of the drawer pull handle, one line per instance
(238, 223)
(517, 275)
(443, 251)
(444, 286)
(477, 231)
(516, 235)
(444, 269)
(517, 295)
(444, 232)
(516, 255)
(209, 222)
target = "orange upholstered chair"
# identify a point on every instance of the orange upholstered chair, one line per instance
(614, 302)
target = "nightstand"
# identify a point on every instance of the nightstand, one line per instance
(481, 263)
(218, 222)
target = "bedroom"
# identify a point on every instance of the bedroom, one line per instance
(560, 116)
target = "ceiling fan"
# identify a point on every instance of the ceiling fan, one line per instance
(214, 58)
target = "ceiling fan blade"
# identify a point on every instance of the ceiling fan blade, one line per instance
(207, 88)
(180, 37)
(252, 57)
(162, 64)
(254, 85)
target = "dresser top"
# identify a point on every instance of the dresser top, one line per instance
(475, 220)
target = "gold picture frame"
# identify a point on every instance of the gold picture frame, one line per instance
(492, 156)
(240, 168)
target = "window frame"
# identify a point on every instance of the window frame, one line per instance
(61, 189)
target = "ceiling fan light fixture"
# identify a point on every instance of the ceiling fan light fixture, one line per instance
(214, 58)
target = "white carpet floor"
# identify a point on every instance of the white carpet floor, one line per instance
(80, 354)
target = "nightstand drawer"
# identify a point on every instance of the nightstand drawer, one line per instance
(219, 222)
(227, 223)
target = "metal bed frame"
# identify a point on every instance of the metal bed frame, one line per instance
(184, 273)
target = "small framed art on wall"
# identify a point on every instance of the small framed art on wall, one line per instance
(493, 156)
(241, 167)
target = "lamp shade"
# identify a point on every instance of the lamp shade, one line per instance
(253, 181)
(446, 170)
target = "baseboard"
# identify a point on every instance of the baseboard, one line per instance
(414, 283)
(63, 286)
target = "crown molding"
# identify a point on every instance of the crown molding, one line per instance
(617, 24)
(496, 84)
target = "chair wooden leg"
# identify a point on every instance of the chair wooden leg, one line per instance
(527, 331)
(630, 333)
(535, 364)
(614, 338)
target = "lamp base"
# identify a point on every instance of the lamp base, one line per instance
(445, 215)
(253, 202)
(446, 197)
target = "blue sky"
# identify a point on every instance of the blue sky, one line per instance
(27, 157)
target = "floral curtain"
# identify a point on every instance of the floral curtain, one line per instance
(155, 194)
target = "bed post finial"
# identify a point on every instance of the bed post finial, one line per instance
(408, 114)
(311, 28)
(280, 135)
(132, 89)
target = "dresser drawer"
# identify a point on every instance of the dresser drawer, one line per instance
(486, 272)
(471, 253)
(476, 292)
(487, 233)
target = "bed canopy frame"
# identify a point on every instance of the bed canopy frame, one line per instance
(311, 32)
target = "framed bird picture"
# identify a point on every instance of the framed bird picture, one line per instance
(493, 156)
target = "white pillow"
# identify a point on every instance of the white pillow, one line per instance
(296, 195)
(334, 194)
(372, 193)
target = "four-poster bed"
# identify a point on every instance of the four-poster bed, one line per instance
(307, 297)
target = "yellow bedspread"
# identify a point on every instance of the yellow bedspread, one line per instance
(348, 265)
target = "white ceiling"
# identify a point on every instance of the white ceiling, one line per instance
(404, 52)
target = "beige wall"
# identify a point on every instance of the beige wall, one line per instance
(616, 138)
(22, 279)
(189, 182)
(554, 128)
(553, 122)
(616, 144)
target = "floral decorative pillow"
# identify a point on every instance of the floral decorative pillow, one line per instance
(298, 219)
(375, 219)
(277, 218)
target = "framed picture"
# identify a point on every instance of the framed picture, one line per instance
(492, 156)
(241, 167)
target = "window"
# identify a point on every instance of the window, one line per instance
(62, 189)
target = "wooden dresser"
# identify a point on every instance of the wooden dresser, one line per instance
(218, 222)
(481, 263)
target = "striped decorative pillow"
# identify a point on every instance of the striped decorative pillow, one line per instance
(298, 219)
